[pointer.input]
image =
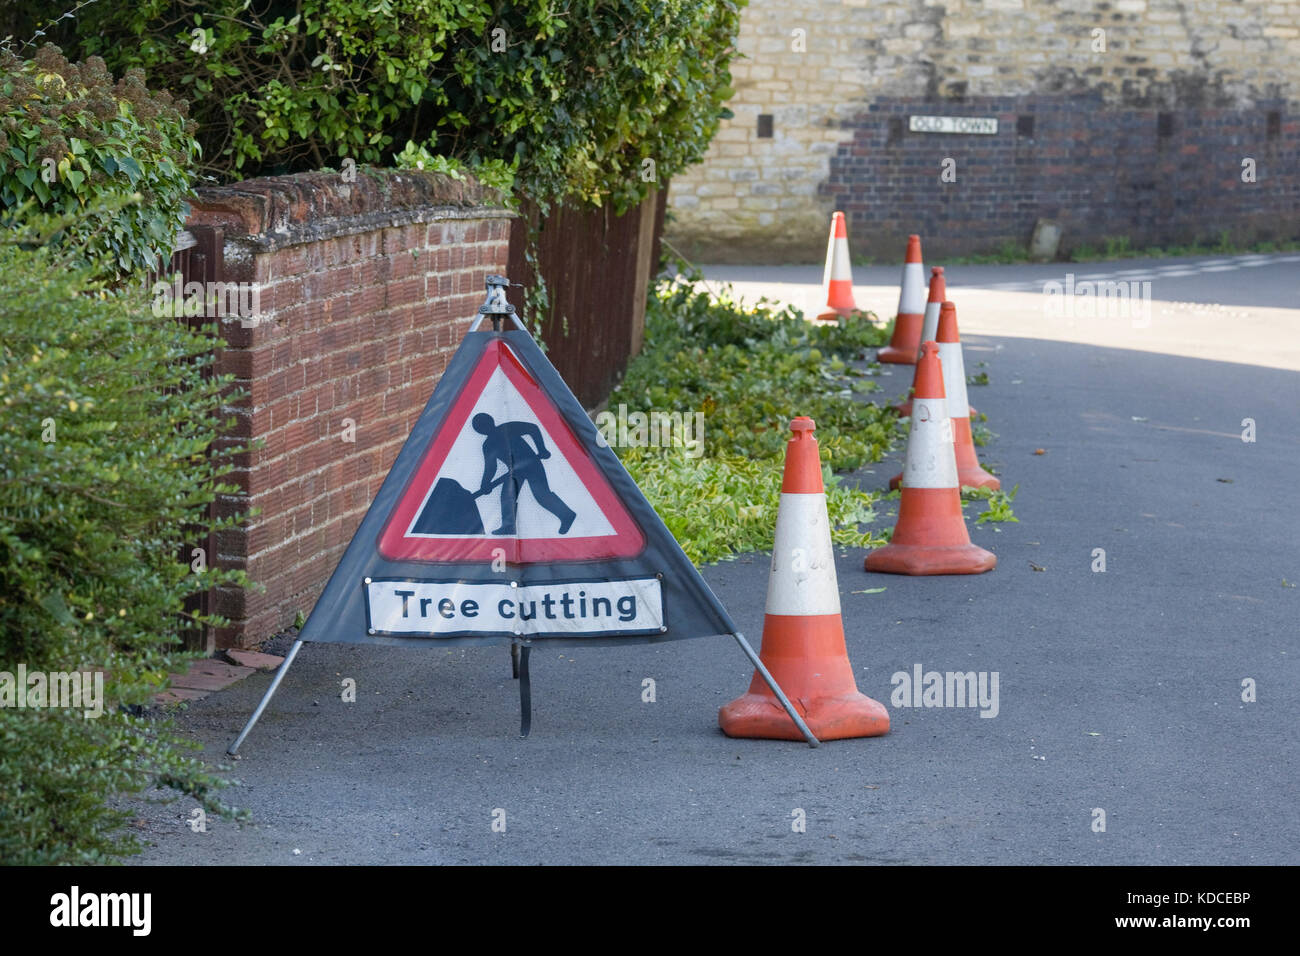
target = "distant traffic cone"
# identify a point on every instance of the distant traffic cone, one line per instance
(902, 347)
(837, 281)
(929, 325)
(969, 472)
(803, 635)
(930, 536)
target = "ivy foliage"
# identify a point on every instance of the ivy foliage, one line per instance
(112, 157)
(589, 100)
(492, 172)
(106, 421)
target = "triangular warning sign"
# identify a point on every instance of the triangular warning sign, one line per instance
(537, 496)
(505, 518)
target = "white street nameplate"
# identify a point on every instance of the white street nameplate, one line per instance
(953, 124)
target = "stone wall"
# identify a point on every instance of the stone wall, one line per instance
(1186, 88)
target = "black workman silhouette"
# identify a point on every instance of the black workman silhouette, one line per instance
(508, 443)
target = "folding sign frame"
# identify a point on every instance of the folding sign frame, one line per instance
(561, 547)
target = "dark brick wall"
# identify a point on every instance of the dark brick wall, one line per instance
(1100, 171)
(598, 266)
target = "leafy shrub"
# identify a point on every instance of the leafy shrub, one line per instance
(579, 95)
(71, 138)
(724, 505)
(749, 372)
(104, 481)
(493, 172)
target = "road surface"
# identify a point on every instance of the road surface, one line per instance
(1118, 691)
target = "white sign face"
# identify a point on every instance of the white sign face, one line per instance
(953, 124)
(444, 608)
(546, 499)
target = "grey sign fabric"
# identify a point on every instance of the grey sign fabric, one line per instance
(505, 519)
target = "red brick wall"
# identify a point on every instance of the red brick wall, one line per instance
(366, 289)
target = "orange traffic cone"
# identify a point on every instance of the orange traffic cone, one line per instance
(969, 472)
(930, 536)
(838, 278)
(803, 636)
(902, 347)
(929, 325)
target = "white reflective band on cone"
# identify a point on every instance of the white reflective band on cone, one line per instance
(954, 379)
(840, 259)
(911, 300)
(802, 579)
(929, 328)
(931, 461)
(830, 260)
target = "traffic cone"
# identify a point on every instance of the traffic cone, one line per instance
(969, 472)
(902, 347)
(929, 325)
(838, 278)
(803, 635)
(930, 536)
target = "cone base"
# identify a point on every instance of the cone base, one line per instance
(976, 477)
(762, 717)
(917, 559)
(837, 313)
(906, 340)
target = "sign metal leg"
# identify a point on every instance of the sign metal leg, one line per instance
(266, 698)
(525, 692)
(780, 694)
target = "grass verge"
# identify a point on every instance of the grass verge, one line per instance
(732, 377)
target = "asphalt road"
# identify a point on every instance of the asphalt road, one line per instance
(1118, 690)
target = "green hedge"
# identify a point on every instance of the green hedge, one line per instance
(111, 157)
(105, 477)
(576, 96)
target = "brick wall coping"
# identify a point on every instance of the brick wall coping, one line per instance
(274, 212)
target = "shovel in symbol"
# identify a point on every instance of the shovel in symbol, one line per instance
(453, 510)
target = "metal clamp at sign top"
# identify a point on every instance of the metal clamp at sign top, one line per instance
(495, 305)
